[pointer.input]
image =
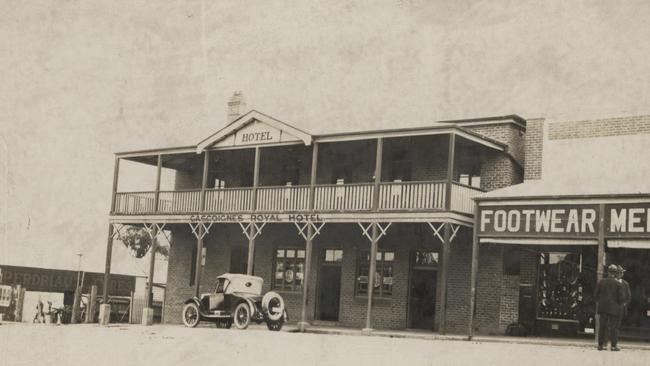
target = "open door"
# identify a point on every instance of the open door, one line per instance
(422, 290)
(329, 285)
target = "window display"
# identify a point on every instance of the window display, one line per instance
(383, 285)
(565, 290)
(289, 269)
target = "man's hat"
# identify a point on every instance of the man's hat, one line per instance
(612, 268)
(620, 268)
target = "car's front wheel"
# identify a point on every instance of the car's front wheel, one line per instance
(242, 316)
(191, 315)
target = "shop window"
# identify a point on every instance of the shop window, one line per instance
(289, 269)
(562, 291)
(383, 285)
(511, 261)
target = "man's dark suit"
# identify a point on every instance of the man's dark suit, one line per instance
(609, 296)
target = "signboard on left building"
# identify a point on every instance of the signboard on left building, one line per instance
(56, 280)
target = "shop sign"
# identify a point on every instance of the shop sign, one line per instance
(627, 220)
(630, 220)
(533, 220)
(52, 280)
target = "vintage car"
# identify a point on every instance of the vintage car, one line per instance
(237, 299)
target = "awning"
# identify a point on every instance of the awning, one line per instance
(629, 243)
(540, 241)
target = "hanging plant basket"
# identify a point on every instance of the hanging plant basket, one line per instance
(137, 240)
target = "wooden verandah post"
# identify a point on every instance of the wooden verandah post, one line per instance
(250, 263)
(446, 235)
(303, 324)
(473, 274)
(199, 232)
(105, 307)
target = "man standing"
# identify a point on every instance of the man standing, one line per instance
(626, 292)
(609, 298)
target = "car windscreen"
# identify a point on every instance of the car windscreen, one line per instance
(221, 284)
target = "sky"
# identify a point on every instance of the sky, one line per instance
(82, 80)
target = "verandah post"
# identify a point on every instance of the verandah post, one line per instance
(105, 307)
(309, 240)
(371, 275)
(156, 202)
(446, 243)
(147, 311)
(473, 273)
(305, 290)
(199, 260)
(600, 266)
(251, 241)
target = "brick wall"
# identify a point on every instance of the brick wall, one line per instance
(428, 155)
(507, 133)
(498, 171)
(358, 156)
(277, 164)
(458, 282)
(509, 304)
(178, 273)
(534, 148)
(488, 289)
(599, 128)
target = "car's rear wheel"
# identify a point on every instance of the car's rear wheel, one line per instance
(191, 316)
(275, 326)
(242, 317)
(226, 323)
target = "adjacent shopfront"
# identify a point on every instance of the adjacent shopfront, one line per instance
(564, 243)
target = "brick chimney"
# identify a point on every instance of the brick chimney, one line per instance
(533, 150)
(236, 106)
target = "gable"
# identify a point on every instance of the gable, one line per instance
(254, 128)
(256, 133)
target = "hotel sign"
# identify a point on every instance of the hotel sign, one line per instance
(564, 221)
(256, 133)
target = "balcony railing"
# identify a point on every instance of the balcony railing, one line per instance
(229, 200)
(394, 196)
(135, 202)
(179, 201)
(287, 198)
(343, 197)
(462, 197)
(412, 195)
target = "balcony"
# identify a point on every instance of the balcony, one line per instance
(394, 196)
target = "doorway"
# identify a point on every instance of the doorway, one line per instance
(238, 259)
(329, 285)
(422, 289)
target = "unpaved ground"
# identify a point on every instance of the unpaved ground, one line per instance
(41, 344)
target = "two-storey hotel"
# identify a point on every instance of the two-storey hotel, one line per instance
(370, 229)
(450, 227)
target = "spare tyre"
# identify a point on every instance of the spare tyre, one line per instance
(273, 306)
